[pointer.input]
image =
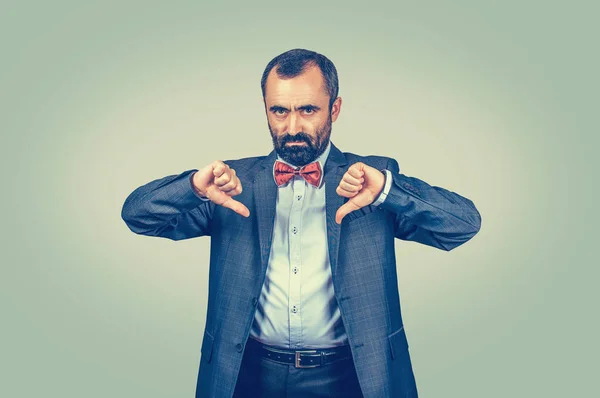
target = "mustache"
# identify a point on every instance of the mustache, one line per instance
(299, 137)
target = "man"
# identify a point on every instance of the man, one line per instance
(303, 298)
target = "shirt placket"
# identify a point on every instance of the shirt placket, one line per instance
(294, 288)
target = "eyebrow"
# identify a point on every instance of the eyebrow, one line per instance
(275, 108)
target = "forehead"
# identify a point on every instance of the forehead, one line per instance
(307, 86)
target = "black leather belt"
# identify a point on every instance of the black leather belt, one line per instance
(300, 358)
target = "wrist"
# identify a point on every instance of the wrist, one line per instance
(385, 189)
(382, 183)
(196, 187)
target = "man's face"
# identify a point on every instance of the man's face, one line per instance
(298, 115)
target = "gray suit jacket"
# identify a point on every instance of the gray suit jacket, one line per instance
(361, 253)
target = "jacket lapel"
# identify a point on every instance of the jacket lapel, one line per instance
(334, 171)
(265, 197)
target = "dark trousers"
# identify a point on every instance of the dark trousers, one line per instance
(263, 377)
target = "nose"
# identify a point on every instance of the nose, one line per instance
(293, 126)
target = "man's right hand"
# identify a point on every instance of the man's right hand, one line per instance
(218, 182)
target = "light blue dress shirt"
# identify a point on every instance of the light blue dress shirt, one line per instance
(297, 307)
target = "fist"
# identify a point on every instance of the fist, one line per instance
(218, 182)
(362, 184)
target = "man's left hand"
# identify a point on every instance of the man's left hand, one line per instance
(362, 184)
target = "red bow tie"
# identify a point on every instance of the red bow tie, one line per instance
(284, 172)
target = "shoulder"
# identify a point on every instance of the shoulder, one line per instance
(376, 161)
(245, 166)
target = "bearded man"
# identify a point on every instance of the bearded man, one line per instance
(303, 294)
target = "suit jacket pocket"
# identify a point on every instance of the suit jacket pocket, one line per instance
(398, 343)
(403, 378)
(207, 346)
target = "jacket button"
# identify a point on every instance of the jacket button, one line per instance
(238, 347)
(254, 301)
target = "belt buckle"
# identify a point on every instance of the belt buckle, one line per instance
(298, 365)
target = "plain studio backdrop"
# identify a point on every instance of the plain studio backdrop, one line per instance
(498, 103)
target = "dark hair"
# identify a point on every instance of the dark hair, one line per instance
(293, 62)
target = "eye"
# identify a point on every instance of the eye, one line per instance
(279, 112)
(309, 111)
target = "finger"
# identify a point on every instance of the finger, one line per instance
(218, 168)
(350, 187)
(215, 194)
(356, 170)
(229, 185)
(235, 191)
(352, 180)
(224, 178)
(344, 193)
(346, 208)
(236, 206)
(232, 188)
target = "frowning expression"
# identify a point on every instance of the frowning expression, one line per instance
(299, 115)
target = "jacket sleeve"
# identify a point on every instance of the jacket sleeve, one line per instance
(427, 214)
(169, 208)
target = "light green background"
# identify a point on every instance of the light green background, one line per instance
(498, 103)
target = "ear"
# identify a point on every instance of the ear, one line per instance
(336, 108)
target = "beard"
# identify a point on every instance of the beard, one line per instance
(301, 155)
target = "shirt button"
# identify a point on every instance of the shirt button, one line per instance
(294, 309)
(299, 197)
(294, 229)
(238, 347)
(295, 269)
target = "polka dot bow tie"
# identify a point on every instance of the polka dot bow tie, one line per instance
(284, 172)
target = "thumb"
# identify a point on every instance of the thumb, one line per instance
(346, 208)
(236, 206)
(222, 199)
